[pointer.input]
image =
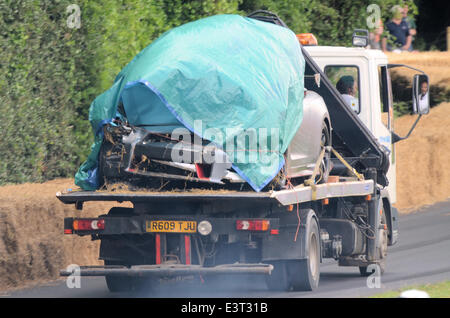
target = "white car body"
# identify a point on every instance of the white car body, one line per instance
(304, 149)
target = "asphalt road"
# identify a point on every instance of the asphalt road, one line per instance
(421, 256)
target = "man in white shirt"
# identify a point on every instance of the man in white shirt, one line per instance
(423, 97)
(348, 89)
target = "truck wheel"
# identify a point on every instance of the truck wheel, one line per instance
(144, 284)
(382, 250)
(306, 272)
(299, 275)
(118, 284)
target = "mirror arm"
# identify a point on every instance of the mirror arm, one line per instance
(389, 66)
(396, 138)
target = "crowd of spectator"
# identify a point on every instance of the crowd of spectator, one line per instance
(401, 29)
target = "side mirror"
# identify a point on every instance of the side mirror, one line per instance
(360, 40)
(421, 96)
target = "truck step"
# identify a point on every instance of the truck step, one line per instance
(303, 193)
(168, 270)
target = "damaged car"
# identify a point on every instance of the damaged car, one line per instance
(219, 103)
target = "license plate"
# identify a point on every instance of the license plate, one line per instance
(171, 226)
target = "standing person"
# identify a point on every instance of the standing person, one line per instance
(375, 36)
(411, 25)
(399, 29)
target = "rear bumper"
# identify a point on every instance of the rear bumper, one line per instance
(166, 270)
(141, 225)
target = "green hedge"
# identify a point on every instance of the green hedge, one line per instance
(43, 85)
(50, 73)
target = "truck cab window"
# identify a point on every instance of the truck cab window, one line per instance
(387, 113)
(346, 81)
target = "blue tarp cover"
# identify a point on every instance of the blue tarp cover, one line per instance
(236, 81)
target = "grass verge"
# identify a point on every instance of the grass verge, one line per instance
(439, 290)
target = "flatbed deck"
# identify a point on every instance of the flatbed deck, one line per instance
(298, 194)
(141, 196)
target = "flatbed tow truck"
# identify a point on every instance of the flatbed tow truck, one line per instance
(282, 234)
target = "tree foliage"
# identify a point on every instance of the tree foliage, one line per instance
(42, 84)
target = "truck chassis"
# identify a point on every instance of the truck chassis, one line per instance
(281, 234)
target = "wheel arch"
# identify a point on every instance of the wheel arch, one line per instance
(293, 243)
(391, 217)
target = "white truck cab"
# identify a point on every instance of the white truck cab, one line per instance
(373, 95)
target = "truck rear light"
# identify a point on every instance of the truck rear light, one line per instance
(88, 224)
(252, 225)
(200, 171)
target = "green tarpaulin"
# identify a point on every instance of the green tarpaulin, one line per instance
(233, 80)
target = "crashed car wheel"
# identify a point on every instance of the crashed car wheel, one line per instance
(325, 165)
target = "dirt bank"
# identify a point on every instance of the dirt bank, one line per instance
(422, 173)
(435, 64)
(32, 246)
(423, 176)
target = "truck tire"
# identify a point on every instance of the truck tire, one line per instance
(118, 284)
(299, 275)
(382, 250)
(306, 273)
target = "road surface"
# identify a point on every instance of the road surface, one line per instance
(421, 256)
